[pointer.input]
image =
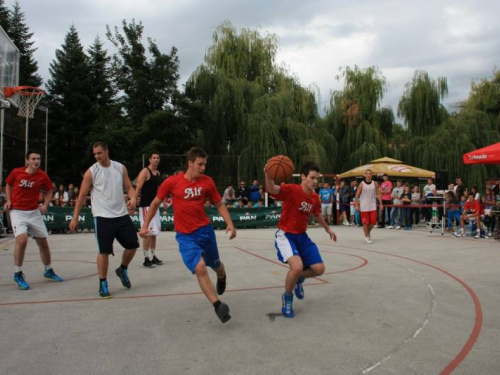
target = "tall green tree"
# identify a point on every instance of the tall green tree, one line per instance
(20, 34)
(72, 110)
(420, 106)
(5, 17)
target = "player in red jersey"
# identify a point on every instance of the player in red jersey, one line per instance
(195, 235)
(23, 186)
(292, 243)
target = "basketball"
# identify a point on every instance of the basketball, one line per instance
(280, 168)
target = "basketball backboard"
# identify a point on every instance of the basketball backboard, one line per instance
(9, 64)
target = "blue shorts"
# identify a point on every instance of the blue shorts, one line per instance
(199, 243)
(288, 245)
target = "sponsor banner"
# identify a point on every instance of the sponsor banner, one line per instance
(59, 218)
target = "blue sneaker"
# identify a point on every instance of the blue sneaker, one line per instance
(103, 290)
(287, 309)
(123, 275)
(51, 275)
(19, 280)
(299, 288)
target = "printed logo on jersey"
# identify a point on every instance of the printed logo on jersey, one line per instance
(306, 207)
(26, 183)
(192, 192)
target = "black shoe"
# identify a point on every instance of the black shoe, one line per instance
(156, 261)
(147, 263)
(221, 286)
(123, 275)
(222, 312)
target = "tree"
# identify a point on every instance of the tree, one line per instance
(5, 17)
(22, 38)
(72, 110)
(420, 106)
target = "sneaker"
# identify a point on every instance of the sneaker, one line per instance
(368, 240)
(287, 309)
(51, 275)
(398, 227)
(19, 280)
(156, 261)
(103, 290)
(490, 234)
(478, 235)
(123, 275)
(390, 227)
(459, 234)
(221, 286)
(148, 263)
(299, 288)
(222, 312)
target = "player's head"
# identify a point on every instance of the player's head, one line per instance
(309, 174)
(101, 152)
(368, 175)
(196, 161)
(33, 159)
(154, 158)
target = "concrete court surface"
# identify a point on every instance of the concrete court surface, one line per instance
(410, 303)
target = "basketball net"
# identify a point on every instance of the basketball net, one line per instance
(27, 98)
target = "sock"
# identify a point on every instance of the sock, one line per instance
(146, 253)
(288, 294)
(301, 280)
(462, 230)
(152, 252)
(48, 267)
(18, 269)
(101, 280)
(123, 267)
(217, 303)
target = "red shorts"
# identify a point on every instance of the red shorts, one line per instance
(369, 217)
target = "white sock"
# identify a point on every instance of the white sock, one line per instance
(146, 253)
(152, 253)
(48, 267)
(462, 230)
(18, 269)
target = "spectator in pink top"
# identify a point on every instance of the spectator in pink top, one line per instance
(385, 190)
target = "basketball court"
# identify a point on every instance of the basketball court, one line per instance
(410, 303)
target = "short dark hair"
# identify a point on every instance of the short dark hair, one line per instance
(369, 170)
(101, 144)
(32, 151)
(153, 153)
(195, 152)
(308, 167)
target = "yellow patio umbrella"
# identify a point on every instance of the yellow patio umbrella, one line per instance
(393, 168)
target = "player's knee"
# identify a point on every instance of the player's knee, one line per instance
(22, 240)
(201, 269)
(319, 269)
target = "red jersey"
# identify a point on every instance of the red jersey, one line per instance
(297, 205)
(188, 200)
(26, 187)
(473, 207)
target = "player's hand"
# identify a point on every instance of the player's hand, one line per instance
(43, 209)
(73, 225)
(232, 230)
(7, 206)
(356, 206)
(131, 205)
(143, 232)
(332, 234)
(381, 206)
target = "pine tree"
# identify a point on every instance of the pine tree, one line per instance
(22, 37)
(5, 17)
(72, 110)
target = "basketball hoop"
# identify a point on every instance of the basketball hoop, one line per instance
(28, 98)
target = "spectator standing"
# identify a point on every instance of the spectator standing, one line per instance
(352, 196)
(406, 210)
(326, 199)
(255, 193)
(460, 188)
(385, 190)
(453, 205)
(416, 200)
(344, 193)
(488, 203)
(396, 209)
(429, 191)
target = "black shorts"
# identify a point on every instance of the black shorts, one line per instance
(121, 228)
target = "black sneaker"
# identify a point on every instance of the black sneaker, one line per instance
(156, 261)
(222, 312)
(147, 263)
(103, 290)
(221, 286)
(123, 275)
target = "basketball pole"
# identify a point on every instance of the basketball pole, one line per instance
(26, 143)
(46, 137)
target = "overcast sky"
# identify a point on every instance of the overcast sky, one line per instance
(457, 39)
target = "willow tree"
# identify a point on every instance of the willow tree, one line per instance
(355, 118)
(253, 108)
(420, 106)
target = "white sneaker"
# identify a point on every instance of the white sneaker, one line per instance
(398, 227)
(478, 235)
(368, 240)
(490, 234)
(459, 234)
(390, 227)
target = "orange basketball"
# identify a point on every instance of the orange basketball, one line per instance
(280, 168)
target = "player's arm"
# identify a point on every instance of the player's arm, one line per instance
(322, 222)
(356, 197)
(8, 195)
(153, 207)
(221, 207)
(141, 179)
(130, 191)
(271, 187)
(82, 195)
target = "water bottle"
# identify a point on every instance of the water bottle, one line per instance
(468, 230)
(435, 218)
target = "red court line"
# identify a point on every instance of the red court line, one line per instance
(476, 330)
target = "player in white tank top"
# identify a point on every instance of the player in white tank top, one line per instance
(366, 202)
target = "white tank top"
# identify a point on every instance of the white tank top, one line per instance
(368, 199)
(107, 196)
